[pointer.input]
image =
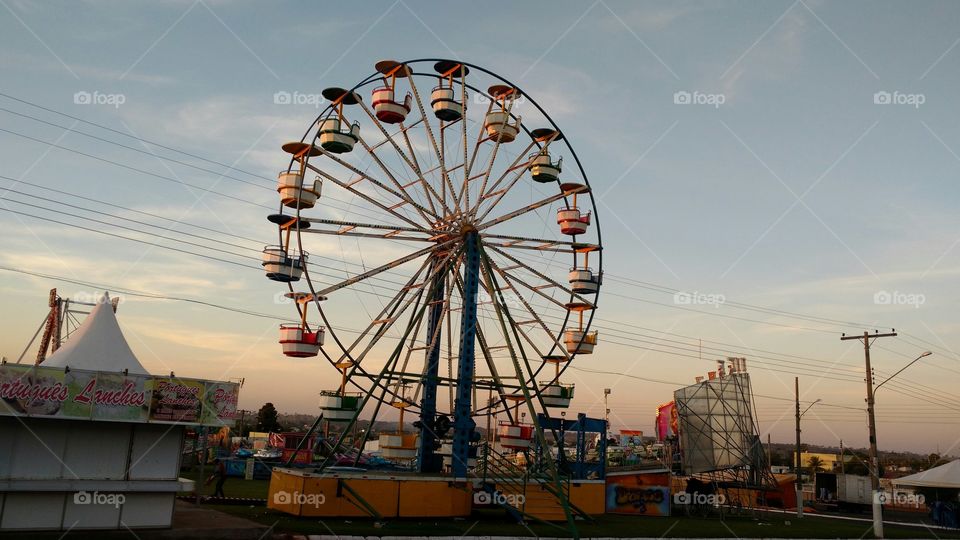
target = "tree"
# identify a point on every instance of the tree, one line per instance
(816, 464)
(267, 418)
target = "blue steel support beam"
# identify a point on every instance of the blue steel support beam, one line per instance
(464, 427)
(428, 461)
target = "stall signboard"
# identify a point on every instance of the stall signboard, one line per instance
(48, 392)
(643, 494)
(667, 421)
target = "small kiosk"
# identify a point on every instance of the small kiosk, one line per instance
(90, 440)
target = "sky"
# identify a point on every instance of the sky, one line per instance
(766, 176)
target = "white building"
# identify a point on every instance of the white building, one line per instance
(90, 440)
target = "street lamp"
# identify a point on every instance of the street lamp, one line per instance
(874, 452)
(926, 353)
(818, 400)
(799, 465)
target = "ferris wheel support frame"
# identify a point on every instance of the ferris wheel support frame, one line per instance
(427, 459)
(387, 366)
(463, 424)
(504, 318)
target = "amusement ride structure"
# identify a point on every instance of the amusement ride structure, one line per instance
(479, 243)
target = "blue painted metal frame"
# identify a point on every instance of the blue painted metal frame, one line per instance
(579, 469)
(464, 427)
(427, 459)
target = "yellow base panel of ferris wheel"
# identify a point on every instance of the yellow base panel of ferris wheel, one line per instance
(308, 494)
(587, 495)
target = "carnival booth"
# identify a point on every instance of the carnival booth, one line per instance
(91, 440)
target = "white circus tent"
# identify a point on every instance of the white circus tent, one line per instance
(943, 476)
(98, 345)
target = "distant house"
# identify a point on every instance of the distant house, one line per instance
(829, 462)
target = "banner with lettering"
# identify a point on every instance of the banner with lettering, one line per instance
(219, 403)
(27, 390)
(120, 397)
(645, 494)
(175, 400)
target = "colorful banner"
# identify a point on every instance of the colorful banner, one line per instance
(110, 396)
(645, 494)
(667, 422)
(219, 402)
(176, 400)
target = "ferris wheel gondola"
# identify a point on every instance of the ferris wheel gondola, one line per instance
(459, 221)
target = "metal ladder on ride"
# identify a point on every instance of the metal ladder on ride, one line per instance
(517, 490)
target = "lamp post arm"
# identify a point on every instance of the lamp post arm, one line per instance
(928, 353)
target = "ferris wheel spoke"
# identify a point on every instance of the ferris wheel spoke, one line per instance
(468, 168)
(524, 378)
(349, 187)
(489, 169)
(444, 174)
(432, 341)
(410, 160)
(428, 190)
(368, 235)
(395, 355)
(532, 206)
(515, 167)
(402, 195)
(554, 338)
(387, 323)
(383, 268)
(387, 316)
(513, 241)
(463, 132)
(359, 225)
(520, 170)
(402, 188)
(541, 275)
(348, 228)
(414, 165)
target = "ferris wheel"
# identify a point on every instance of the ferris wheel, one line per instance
(462, 257)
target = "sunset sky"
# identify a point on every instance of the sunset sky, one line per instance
(808, 188)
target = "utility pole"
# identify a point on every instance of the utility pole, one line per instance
(796, 390)
(606, 413)
(841, 456)
(871, 419)
(769, 455)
